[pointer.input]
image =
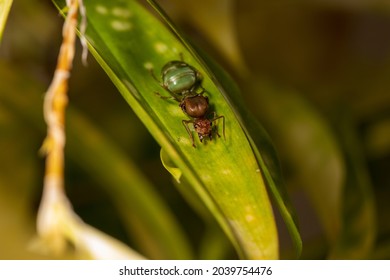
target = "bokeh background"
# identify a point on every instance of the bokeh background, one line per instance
(316, 74)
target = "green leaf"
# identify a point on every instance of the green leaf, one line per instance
(5, 6)
(261, 143)
(127, 41)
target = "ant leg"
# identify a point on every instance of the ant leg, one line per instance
(154, 76)
(172, 97)
(182, 106)
(202, 92)
(165, 97)
(223, 125)
(185, 123)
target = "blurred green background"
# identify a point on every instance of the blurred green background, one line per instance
(315, 73)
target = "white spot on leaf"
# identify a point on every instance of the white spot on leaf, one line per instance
(249, 218)
(121, 12)
(119, 25)
(148, 65)
(101, 9)
(161, 47)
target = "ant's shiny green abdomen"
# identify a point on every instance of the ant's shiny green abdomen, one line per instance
(180, 78)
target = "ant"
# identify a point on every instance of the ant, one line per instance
(181, 80)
